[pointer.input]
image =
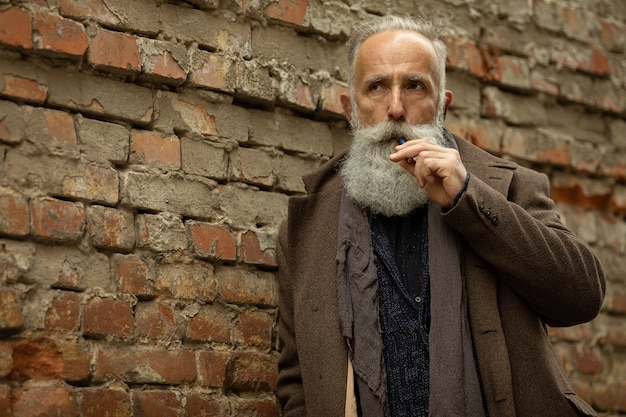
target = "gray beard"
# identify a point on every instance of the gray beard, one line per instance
(375, 182)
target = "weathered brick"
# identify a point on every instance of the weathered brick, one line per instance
(254, 328)
(184, 196)
(614, 165)
(258, 248)
(6, 361)
(212, 241)
(580, 192)
(487, 134)
(69, 268)
(57, 219)
(152, 148)
(548, 15)
(612, 34)
(164, 62)
(161, 403)
(578, 23)
(618, 200)
(100, 96)
(253, 166)
(155, 320)
(64, 312)
(241, 286)
(201, 157)
(144, 365)
(133, 275)
(16, 28)
(210, 324)
(104, 402)
(255, 83)
(214, 71)
(290, 11)
(291, 168)
(252, 371)
(23, 88)
(55, 399)
(14, 213)
(93, 9)
(210, 32)
(161, 232)
(539, 145)
(10, 309)
(256, 407)
(212, 368)
(251, 208)
(184, 115)
(59, 35)
(5, 401)
(513, 109)
(108, 317)
(110, 228)
(102, 141)
(273, 129)
(588, 360)
(331, 101)
(201, 405)
(45, 358)
(514, 72)
(114, 51)
(188, 281)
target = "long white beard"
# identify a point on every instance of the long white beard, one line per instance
(375, 182)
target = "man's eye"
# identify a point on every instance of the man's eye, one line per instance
(375, 87)
(416, 86)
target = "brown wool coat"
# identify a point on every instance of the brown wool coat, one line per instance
(523, 270)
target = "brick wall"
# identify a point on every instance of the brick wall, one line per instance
(148, 148)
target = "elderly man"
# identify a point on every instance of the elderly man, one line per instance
(418, 274)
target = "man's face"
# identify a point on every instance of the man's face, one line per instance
(395, 79)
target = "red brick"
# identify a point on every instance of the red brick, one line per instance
(134, 275)
(189, 281)
(155, 320)
(110, 228)
(201, 405)
(254, 328)
(104, 402)
(57, 219)
(610, 395)
(464, 54)
(589, 360)
(63, 313)
(331, 100)
(60, 126)
(97, 184)
(573, 192)
(14, 213)
(612, 34)
(6, 359)
(114, 50)
(597, 63)
(24, 88)
(304, 96)
(616, 336)
(92, 9)
(5, 401)
(212, 368)
(210, 324)
(251, 371)
(251, 251)
(145, 365)
(60, 35)
(10, 309)
(216, 72)
(163, 67)
(108, 317)
(290, 11)
(255, 407)
(156, 403)
(212, 241)
(152, 147)
(16, 28)
(49, 359)
(243, 287)
(44, 401)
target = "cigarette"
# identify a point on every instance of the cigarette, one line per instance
(401, 140)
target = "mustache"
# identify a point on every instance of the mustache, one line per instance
(390, 130)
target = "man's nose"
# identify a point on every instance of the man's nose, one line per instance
(395, 109)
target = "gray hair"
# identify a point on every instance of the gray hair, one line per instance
(429, 30)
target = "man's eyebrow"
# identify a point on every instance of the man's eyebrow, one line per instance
(373, 79)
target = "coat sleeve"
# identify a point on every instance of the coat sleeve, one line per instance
(290, 391)
(522, 236)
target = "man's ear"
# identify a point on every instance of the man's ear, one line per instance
(347, 106)
(447, 102)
